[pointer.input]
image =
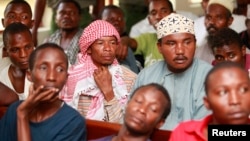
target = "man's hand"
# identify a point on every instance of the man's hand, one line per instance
(103, 80)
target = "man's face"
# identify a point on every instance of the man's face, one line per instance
(228, 96)
(178, 50)
(17, 13)
(144, 111)
(116, 18)
(67, 16)
(231, 52)
(19, 48)
(158, 10)
(50, 69)
(217, 17)
(102, 51)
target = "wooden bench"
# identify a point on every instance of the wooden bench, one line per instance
(97, 129)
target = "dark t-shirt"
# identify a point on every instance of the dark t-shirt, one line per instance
(65, 125)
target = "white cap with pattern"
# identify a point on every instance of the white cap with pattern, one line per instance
(228, 4)
(174, 23)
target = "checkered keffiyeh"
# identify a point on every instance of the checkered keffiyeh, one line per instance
(80, 79)
(174, 23)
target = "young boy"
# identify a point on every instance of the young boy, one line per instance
(43, 116)
(227, 88)
(227, 46)
(18, 42)
(147, 110)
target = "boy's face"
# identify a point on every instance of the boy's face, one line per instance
(178, 50)
(19, 47)
(50, 69)
(231, 53)
(228, 96)
(145, 109)
(18, 13)
(102, 51)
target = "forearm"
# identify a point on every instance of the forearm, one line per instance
(23, 128)
(38, 13)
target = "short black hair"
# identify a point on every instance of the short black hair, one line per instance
(225, 36)
(14, 28)
(41, 47)
(164, 91)
(222, 65)
(170, 5)
(69, 1)
(18, 2)
(111, 7)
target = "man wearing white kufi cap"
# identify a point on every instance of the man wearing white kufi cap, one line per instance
(218, 16)
(180, 73)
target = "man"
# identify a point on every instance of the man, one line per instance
(200, 29)
(116, 17)
(218, 16)
(227, 88)
(33, 118)
(16, 11)
(146, 110)
(180, 73)
(98, 87)
(17, 40)
(227, 46)
(67, 35)
(145, 44)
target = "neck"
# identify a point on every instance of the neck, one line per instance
(127, 135)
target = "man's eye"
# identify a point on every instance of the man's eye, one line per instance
(222, 92)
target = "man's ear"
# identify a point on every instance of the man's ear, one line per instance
(89, 51)
(159, 124)
(3, 22)
(244, 50)
(230, 21)
(28, 74)
(159, 47)
(206, 102)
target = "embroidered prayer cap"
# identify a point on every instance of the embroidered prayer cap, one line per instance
(174, 23)
(228, 4)
(94, 31)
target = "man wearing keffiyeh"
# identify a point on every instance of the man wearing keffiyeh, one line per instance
(98, 87)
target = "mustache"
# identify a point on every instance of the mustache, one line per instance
(180, 57)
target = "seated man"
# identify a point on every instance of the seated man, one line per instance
(116, 17)
(67, 19)
(19, 45)
(146, 110)
(98, 87)
(33, 118)
(227, 88)
(227, 45)
(180, 73)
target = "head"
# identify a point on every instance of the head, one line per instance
(204, 4)
(99, 40)
(227, 46)
(147, 109)
(227, 89)
(158, 9)
(18, 11)
(218, 15)
(68, 15)
(247, 23)
(48, 65)
(176, 41)
(114, 15)
(18, 42)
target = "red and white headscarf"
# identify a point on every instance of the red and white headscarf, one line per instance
(81, 81)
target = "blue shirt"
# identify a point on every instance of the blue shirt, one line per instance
(186, 90)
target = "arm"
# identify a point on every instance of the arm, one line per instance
(38, 15)
(27, 107)
(7, 96)
(129, 42)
